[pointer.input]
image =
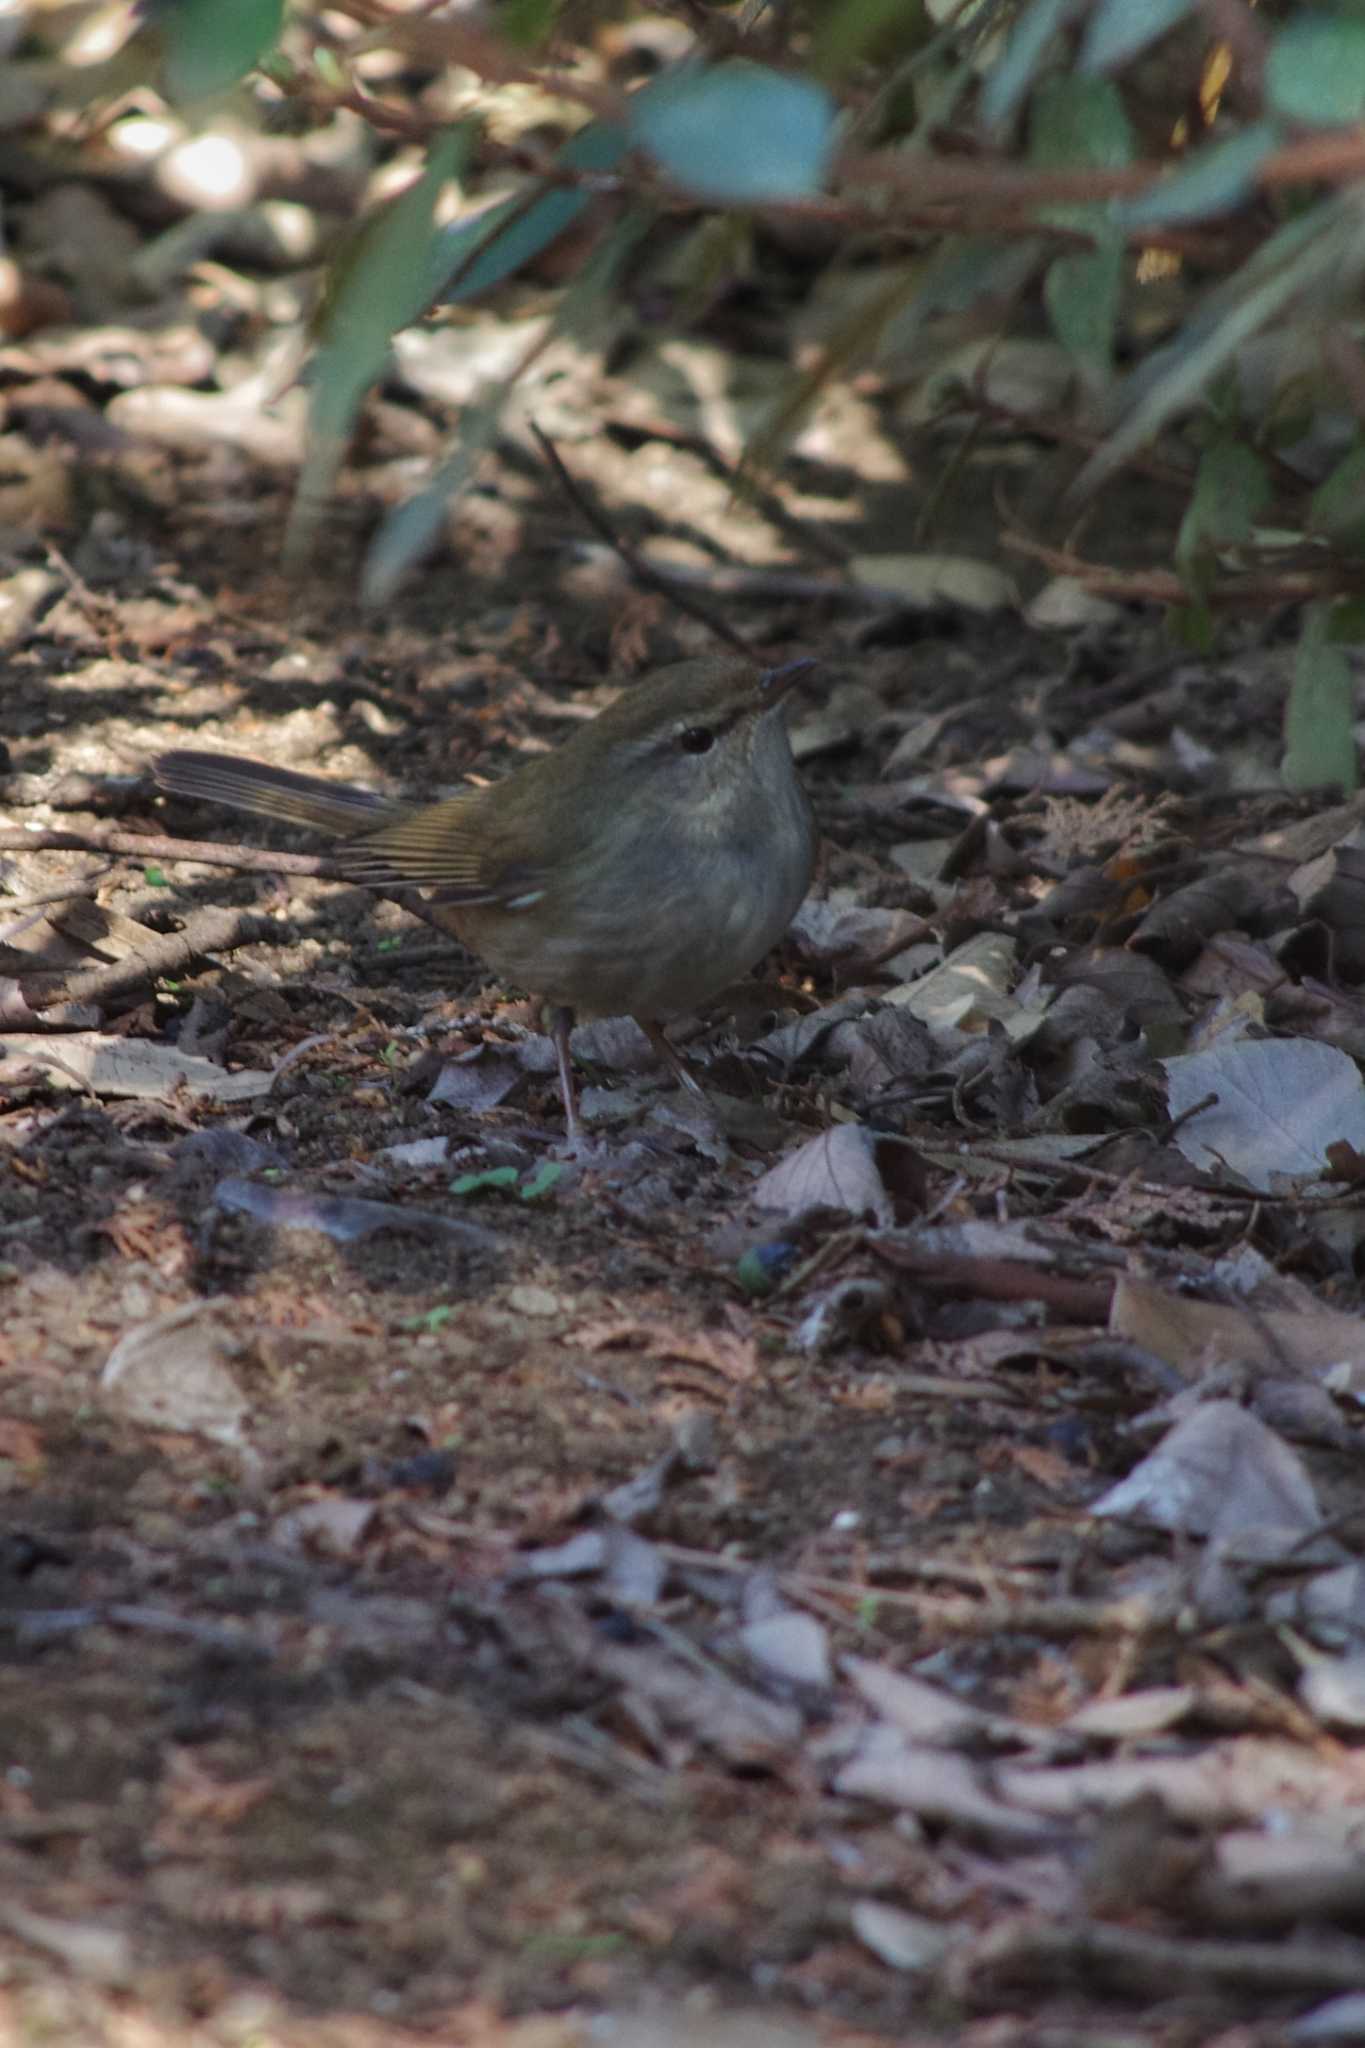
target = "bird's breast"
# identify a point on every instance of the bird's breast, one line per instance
(660, 925)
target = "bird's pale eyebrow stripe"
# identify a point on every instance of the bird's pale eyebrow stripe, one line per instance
(524, 902)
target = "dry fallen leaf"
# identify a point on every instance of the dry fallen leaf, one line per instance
(174, 1373)
(836, 1170)
(126, 1066)
(1221, 1473)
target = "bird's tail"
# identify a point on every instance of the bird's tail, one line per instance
(270, 792)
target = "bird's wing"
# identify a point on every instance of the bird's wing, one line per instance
(452, 847)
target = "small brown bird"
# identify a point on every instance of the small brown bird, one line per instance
(635, 871)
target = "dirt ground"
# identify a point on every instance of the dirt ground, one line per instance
(373, 1654)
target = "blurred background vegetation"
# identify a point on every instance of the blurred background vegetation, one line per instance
(1127, 237)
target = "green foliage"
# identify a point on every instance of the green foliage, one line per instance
(1320, 248)
(1119, 30)
(1315, 70)
(1320, 747)
(1231, 491)
(525, 23)
(208, 47)
(950, 170)
(470, 258)
(753, 1274)
(493, 1178)
(430, 1321)
(546, 1176)
(504, 1180)
(1338, 507)
(1079, 123)
(1213, 180)
(410, 528)
(1013, 73)
(849, 29)
(736, 133)
(1347, 624)
(369, 289)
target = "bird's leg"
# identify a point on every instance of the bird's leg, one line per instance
(669, 1054)
(561, 1024)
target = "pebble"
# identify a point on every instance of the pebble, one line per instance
(533, 1301)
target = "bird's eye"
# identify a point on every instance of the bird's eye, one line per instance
(696, 739)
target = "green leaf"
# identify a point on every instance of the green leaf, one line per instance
(1338, 505)
(208, 46)
(586, 310)
(1119, 29)
(1212, 180)
(753, 1273)
(737, 132)
(1319, 741)
(155, 877)
(1081, 293)
(527, 22)
(1080, 123)
(407, 532)
(470, 257)
(371, 287)
(431, 1321)
(1348, 622)
(1293, 411)
(1231, 490)
(505, 1178)
(1323, 243)
(961, 272)
(491, 1177)
(1191, 625)
(1315, 70)
(1023, 55)
(850, 28)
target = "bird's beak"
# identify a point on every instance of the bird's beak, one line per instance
(774, 683)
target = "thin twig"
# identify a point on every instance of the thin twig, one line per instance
(1069, 1951)
(1058, 1619)
(209, 853)
(1161, 586)
(88, 885)
(213, 930)
(764, 584)
(488, 56)
(1001, 1279)
(638, 567)
(149, 846)
(102, 612)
